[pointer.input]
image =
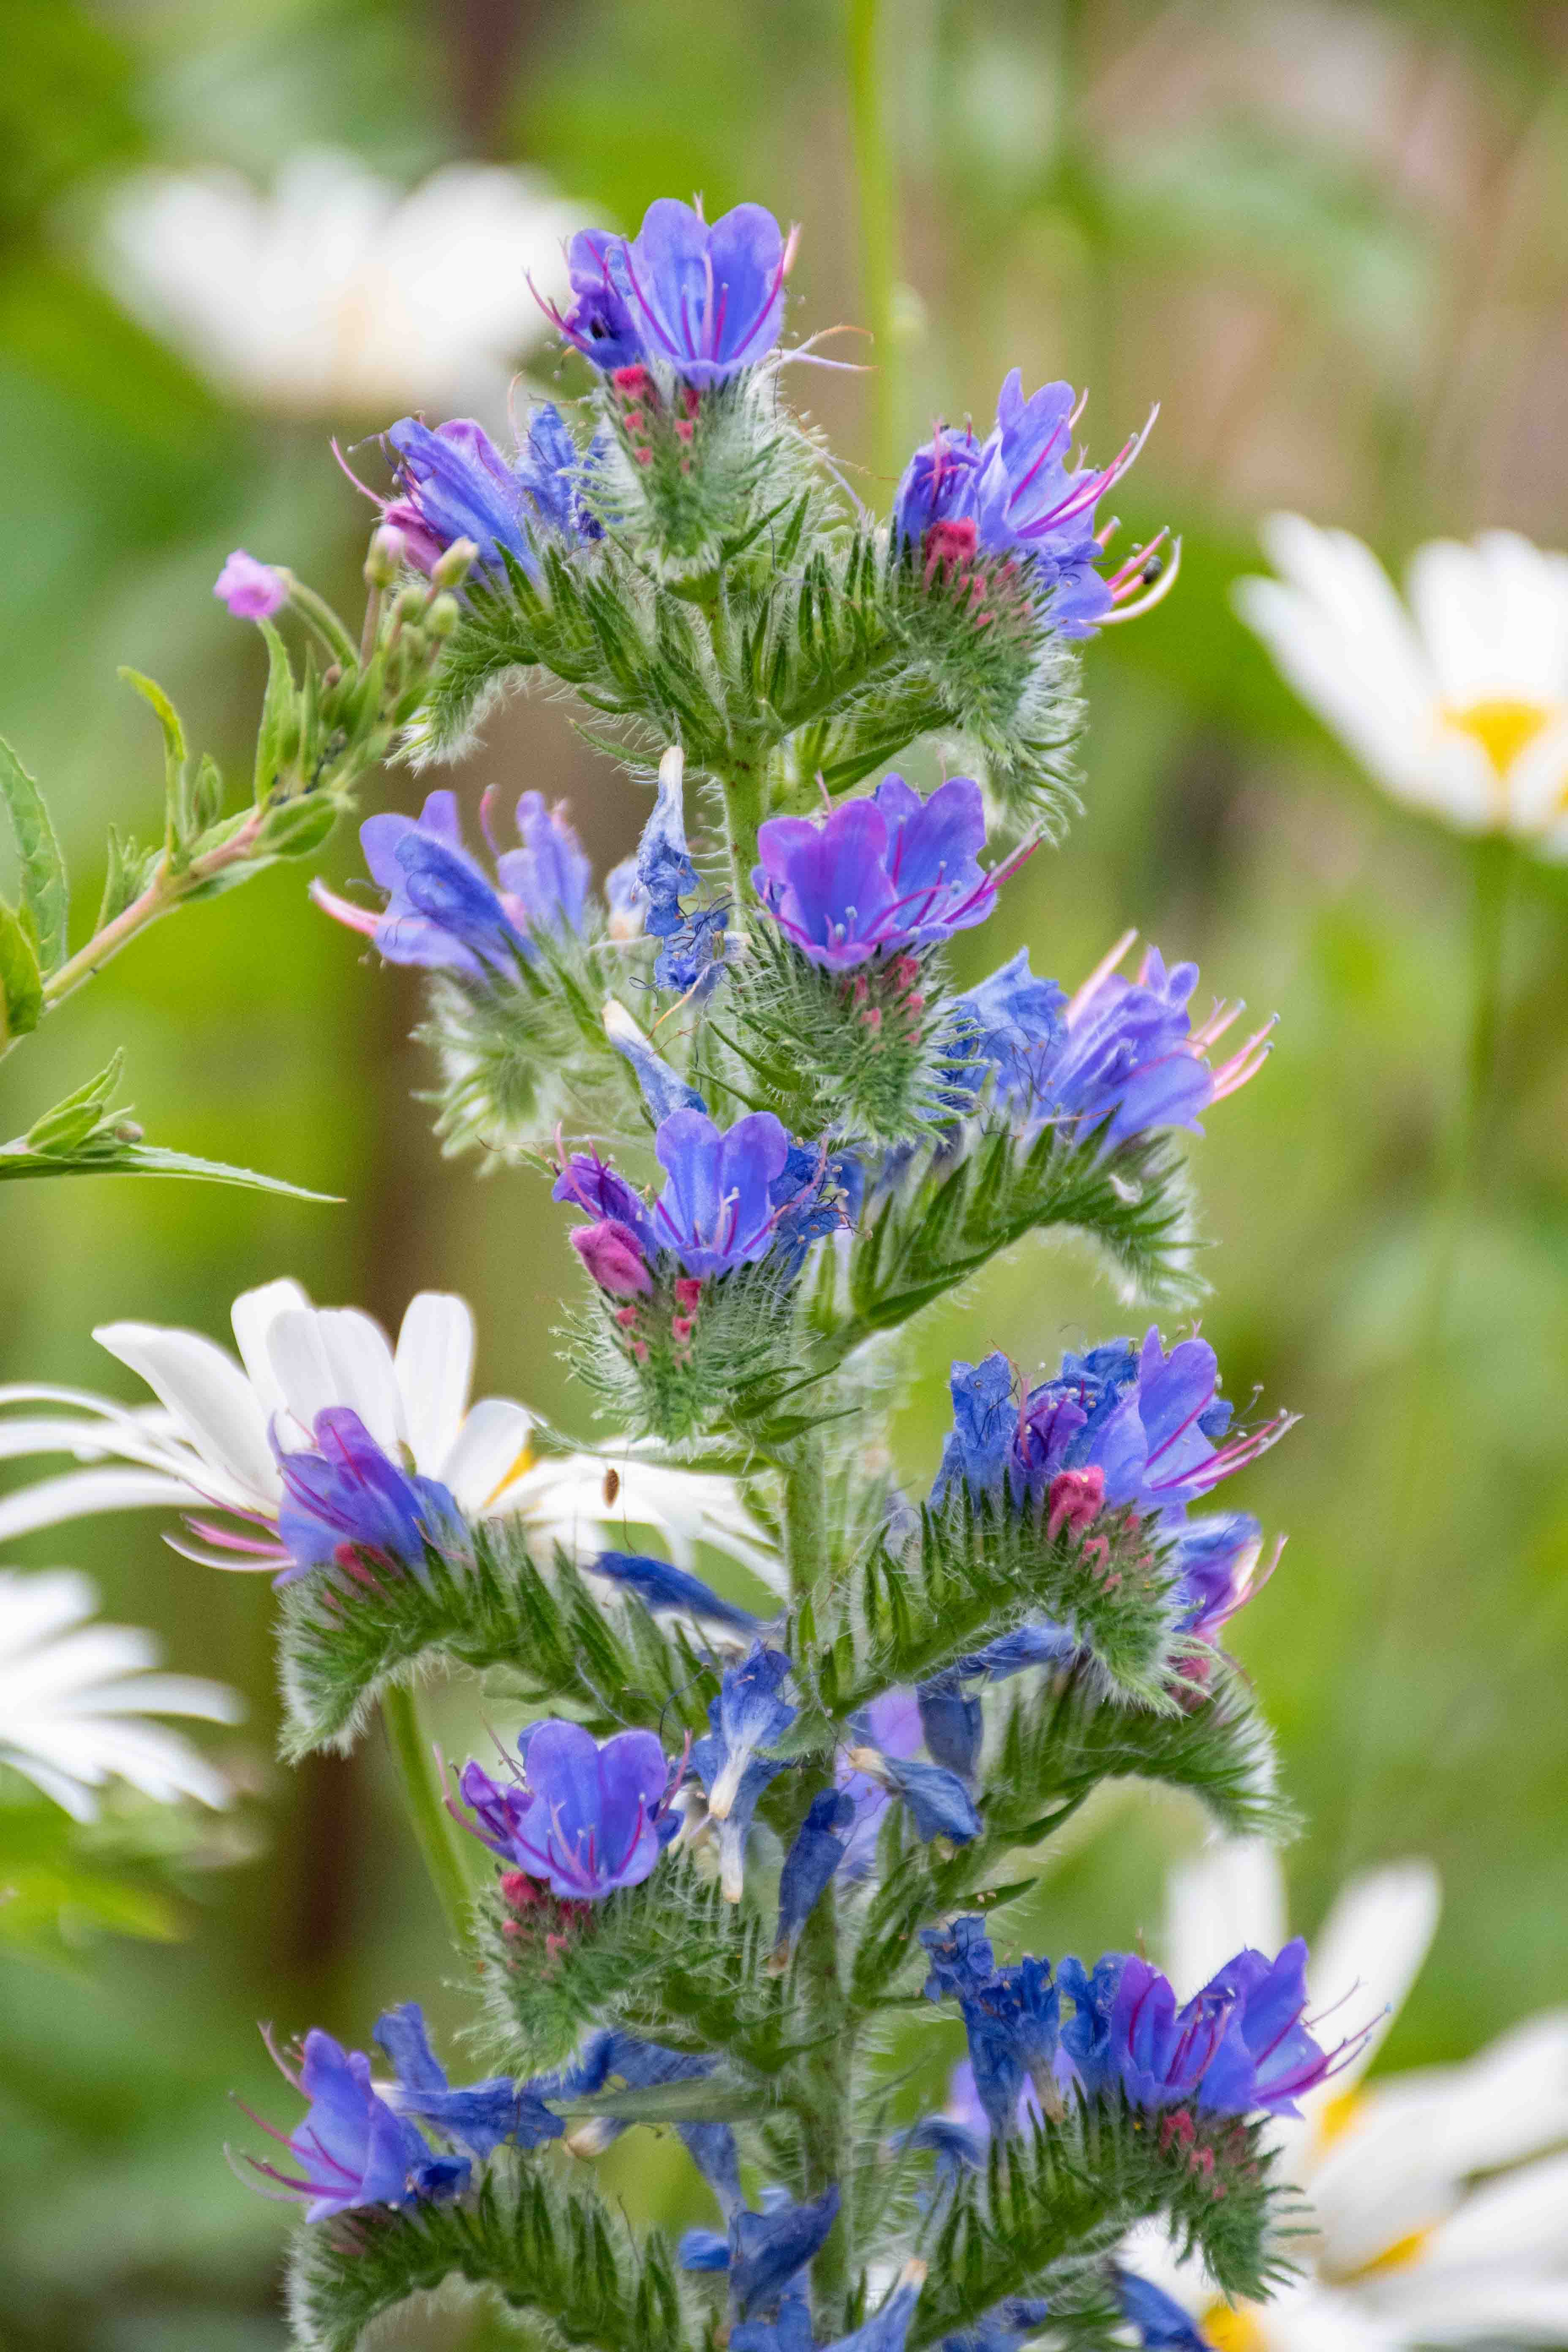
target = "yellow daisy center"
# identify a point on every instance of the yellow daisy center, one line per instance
(524, 1461)
(1336, 2116)
(1396, 2257)
(1230, 2329)
(1502, 725)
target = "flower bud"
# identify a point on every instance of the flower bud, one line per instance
(609, 1250)
(443, 616)
(388, 554)
(450, 570)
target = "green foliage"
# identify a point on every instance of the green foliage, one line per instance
(742, 1353)
(1062, 2196)
(943, 1220)
(341, 1647)
(82, 1135)
(519, 1055)
(980, 1567)
(670, 1959)
(21, 983)
(46, 896)
(561, 2252)
(854, 1054)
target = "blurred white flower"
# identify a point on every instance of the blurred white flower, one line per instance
(339, 294)
(209, 1439)
(1458, 705)
(1431, 2226)
(75, 1699)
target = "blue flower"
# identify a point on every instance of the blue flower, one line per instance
(1009, 1025)
(453, 483)
(789, 2330)
(1162, 2326)
(659, 1586)
(880, 876)
(939, 1803)
(707, 301)
(664, 1090)
(1039, 1645)
(1011, 2016)
(443, 910)
(748, 1715)
(817, 1851)
(347, 1499)
(889, 2325)
(1238, 2048)
(692, 952)
(939, 485)
(892, 1726)
(768, 2249)
(353, 2149)
(600, 323)
(584, 1819)
(481, 2117)
(954, 1724)
(1118, 1426)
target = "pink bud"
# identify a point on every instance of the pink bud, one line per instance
(609, 1250)
(682, 1327)
(252, 591)
(1075, 1500)
(687, 1291)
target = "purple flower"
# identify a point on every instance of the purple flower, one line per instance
(353, 2149)
(707, 301)
(252, 591)
(454, 483)
(692, 952)
(584, 1819)
(347, 1499)
(1238, 2048)
(730, 1197)
(1127, 1060)
(1005, 2326)
(442, 909)
(1015, 495)
(612, 1256)
(767, 2249)
(600, 322)
(1116, 1427)
(749, 1715)
(1162, 2326)
(642, 2065)
(1041, 1644)
(879, 875)
(663, 1089)
(953, 1724)
(891, 1725)
(1010, 1026)
(481, 2117)
(1219, 1566)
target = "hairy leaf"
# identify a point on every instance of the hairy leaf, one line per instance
(46, 896)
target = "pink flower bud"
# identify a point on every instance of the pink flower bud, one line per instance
(252, 591)
(1075, 1500)
(687, 1291)
(609, 1250)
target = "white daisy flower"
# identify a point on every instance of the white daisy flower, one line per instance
(339, 294)
(209, 1440)
(1457, 704)
(1438, 2208)
(75, 1699)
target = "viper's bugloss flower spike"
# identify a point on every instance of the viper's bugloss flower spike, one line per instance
(584, 1818)
(1119, 1425)
(353, 2149)
(939, 1803)
(879, 875)
(1239, 2047)
(347, 1502)
(1015, 495)
(482, 2115)
(1162, 2326)
(252, 591)
(819, 1847)
(659, 1587)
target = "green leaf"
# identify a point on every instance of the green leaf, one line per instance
(706, 2099)
(115, 1157)
(277, 739)
(60, 1132)
(564, 2252)
(46, 896)
(168, 719)
(21, 983)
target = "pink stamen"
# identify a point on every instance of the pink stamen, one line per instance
(1102, 972)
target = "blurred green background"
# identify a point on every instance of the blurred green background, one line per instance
(1332, 241)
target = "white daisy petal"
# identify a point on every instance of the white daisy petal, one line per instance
(335, 1355)
(85, 1494)
(253, 1314)
(1231, 1896)
(434, 1366)
(208, 1392)
(1510, 2222)
(489, 1456)
(1366, 1958)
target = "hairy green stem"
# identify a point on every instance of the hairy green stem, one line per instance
(744, 787)
(878, 206)
(165, 892)
(434, 1833)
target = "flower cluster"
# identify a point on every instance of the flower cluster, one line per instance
(454, 484)
(701, 301)
(582, 1819)
(1014, 494)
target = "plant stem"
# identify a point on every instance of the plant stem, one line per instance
(165, 891)
(878, 207)
(433, 1829)
(743, 787)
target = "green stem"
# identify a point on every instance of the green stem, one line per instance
(319, 613)
(745, 806)
(163, 893)
(878, 207)
(412, 1753)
